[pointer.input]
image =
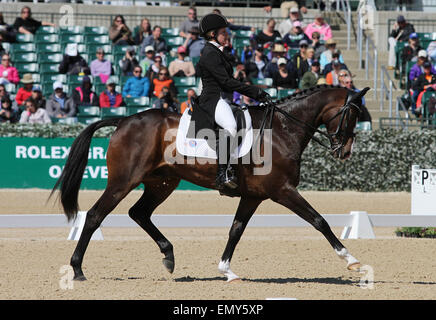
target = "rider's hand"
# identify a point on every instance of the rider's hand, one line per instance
(264, 97)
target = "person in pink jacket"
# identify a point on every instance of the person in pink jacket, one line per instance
(321, 26)
(8, 73)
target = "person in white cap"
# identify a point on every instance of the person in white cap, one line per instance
(59, 105)
(286, 25)
(418, 68)
(148, 60)
(180, 67)
(295, 35)
(282, 79)
(73, 62)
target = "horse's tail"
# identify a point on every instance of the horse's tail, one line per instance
(72, 174)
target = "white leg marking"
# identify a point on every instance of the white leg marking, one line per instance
(224, 268)
(344, 254)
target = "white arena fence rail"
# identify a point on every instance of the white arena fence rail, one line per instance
(357, 224)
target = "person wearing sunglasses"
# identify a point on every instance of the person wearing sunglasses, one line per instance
(120, 33)
(101, 67)
(8, 73)
(190, 22)
(136, 86)
(26, 24)
(163, 80)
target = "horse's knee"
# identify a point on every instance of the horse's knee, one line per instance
(320, 224)
(236, 229)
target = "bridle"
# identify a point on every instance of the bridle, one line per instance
(337, 139)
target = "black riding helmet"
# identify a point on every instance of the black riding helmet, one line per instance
(212, 21)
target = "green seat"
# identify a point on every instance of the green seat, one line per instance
(183, 91)
(21, 37)
(25, 57)
(96, 31)
(97, 39)
(25, 67)
(272, 92)
(242, 33)
(43, 48)
(10, 88)
(292, 52)
(46, 38)
(23, 47)
(52, 77)
(113, 112)
(72, 38)
(49, 68)
(71, 30)
(88, 120)
(170, 32)
(265, 82)
(81, 48)
(46, 30)
(119, 50)
(283, 93)
(364, 126)
(88, 111)
(50, 58)
(135, 110)
(174, 41)
(137, 101)
(184, 81)
(68, 120)
(241, 42)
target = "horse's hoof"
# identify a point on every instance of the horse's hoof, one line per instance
(80, 278)
(235, 280)
(354, 266)
(169, 264)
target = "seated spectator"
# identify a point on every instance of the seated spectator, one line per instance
(410, 51)
(418, 68)
(8, 73)
(7, 32)
(73, 62)
(193, 43)
(7, 112)
(282, 79)
(101, 67)
(156, 41)
(129, 62)
(120, 33)
(332, 77)
(329, 66)
(347, 82)
(431, 51)
(166, 100)
(295, 35)
(83, 95)
(400, 32)
(153, 70)
(278, 52)
(180, 67)
(269, 34)
(3, 93)
(34, 115)
(240, 73)
(230, 53)
(327, 55)
(319, 25)
(24, 92)
(300, 59)
(310, 78)
(317, 45)
(110, 98)
(143, 32)
(189, 22)
(59, 105)
(188, 103)
(286, 25)
(424, 82)
(163, 80)
(26, 24)
(255, 67)
(136, 86)
(37, 97)
(148, 60)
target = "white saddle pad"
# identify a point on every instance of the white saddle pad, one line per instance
(199, 148)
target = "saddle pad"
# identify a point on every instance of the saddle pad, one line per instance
(193, 147)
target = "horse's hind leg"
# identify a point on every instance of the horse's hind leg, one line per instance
(107, 202)
(156, 191)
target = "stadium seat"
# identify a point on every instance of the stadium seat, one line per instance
(119, 50)
(96, 31)
(170, 32)
(174, 41)
(49, 68)
(97, 39)
(68, 120)
(265, 82)
(21, 37)
(184, 81)
(50, 58)
(46, 30)
(72, 38)
(21, 57)
(283, 93)
(52, 77)
(43, 48)
(113, 112)
(240, 42)
(242, 33)
(46, 38)
(23, 47)
(135, 110)
(88, 120)
(71, 30)
(272, 92)
(10, 88)
(137, 101)
(364, 126)
(88, 111)
(25, 67)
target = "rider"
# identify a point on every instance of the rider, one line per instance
(216, 74)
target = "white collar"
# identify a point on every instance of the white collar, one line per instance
(216, 44)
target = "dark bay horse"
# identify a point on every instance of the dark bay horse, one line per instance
(136, 155)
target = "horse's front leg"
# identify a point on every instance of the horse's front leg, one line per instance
(289, 197)
(246, 208)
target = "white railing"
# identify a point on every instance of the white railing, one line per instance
(386, 89)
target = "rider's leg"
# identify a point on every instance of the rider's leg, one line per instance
(225, 144)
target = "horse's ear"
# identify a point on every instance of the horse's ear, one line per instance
(358, 95)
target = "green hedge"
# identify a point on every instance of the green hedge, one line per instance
(381, 160)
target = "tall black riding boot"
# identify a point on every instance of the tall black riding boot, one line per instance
(225, 174)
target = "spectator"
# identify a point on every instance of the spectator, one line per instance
(25, 92)
(188, 103)
(156, 41)
(83, 95)
(286, 25)
(153, 70)
(310, 78)
(282, 79)
(190, 22)
(180, 67)
(163, 80)
(317, 45)
(59, 105)
(333, 76)
(418, 68)
(37, 97)
(329, 66)
(320, 26)
(232, 27)
(431, 51)
(295, 35)
(230, 53)
(101, 67)
(166, 100)
(72, 62)
(193, 43)
(3, 93)
(240, 73)
(255, 67)
(285, 6)
(400, 32)
(410, 51)
(278, 52)
(8, 73)
(119, 33)
(7, 112)
(269, 34)
(300, 59)
(347, 82)
(26, 24)
(148, 60)
(110, 98)
(129, 62)
(7, 32)
(327, 55)
(143, 32)
(136, 86)
(424, 81)
(34, 115)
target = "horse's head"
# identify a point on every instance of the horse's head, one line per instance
(340, 120)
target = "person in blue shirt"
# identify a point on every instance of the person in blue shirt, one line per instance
(136, 86)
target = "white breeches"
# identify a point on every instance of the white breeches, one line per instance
(224, 117)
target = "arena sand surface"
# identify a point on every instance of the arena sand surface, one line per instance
(272, 262)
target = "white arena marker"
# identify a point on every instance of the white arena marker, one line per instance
(79, 223)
